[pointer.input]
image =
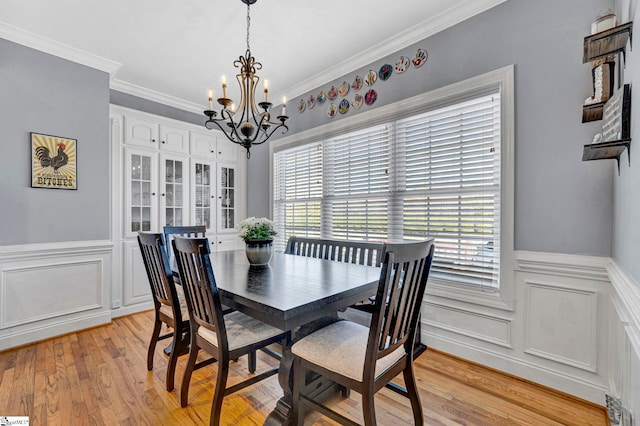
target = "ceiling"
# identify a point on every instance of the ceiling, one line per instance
(174, 51)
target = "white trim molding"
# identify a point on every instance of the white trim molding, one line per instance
(458, 12)
(64, 51)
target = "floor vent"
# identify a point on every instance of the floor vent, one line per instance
(618, 414)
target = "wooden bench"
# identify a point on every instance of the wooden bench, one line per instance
(359, 252)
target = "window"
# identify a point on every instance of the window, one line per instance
(431, 171)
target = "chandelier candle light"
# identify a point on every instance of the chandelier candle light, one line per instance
(247, 125)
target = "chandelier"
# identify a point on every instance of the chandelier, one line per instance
(247, 124)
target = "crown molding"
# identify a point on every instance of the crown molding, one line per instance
(64, 51)
(436, 23)
(152, 95)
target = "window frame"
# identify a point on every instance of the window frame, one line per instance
(501, 80)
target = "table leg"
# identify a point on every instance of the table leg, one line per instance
(282, 414)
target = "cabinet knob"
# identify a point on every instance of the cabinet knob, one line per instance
(219, 198)
(153, 140)
(213, 152)
(153, 193)
(220, 152)
(163, 194)
(163, 142)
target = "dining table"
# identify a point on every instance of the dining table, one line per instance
(293, 293)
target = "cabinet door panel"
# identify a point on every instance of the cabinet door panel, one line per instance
(141, 201)
(174, 190)
(227, 150)
(203, 144)
(174, 139)
(203, 193)
(141, 132)
(226, 197)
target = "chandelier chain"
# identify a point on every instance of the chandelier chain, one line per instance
(248, 25)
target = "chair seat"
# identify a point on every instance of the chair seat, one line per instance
(242, 330)
(166, 309)
(341, 347)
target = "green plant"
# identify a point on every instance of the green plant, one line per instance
(256, 228)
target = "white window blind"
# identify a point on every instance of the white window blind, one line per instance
(435, 174)
(297, 193)
(357, 184)
(450, 174)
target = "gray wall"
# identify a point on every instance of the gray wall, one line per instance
(626, 246)
(562, 205)
(45, 94)
(140, 104)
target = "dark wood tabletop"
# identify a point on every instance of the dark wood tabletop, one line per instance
(291, 290)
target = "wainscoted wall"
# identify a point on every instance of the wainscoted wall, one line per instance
(52, 289)
(624, 340)
(557, 334)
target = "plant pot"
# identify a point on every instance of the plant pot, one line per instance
(259, 252)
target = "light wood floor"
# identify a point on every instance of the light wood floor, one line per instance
(99, 376)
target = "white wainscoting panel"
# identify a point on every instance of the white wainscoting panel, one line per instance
(27, 291)
(486, 328)
(555, 335)
(52, 289)
(561, 324)
(624, 340)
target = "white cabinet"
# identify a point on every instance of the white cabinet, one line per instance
(212, 145)
(150, 134)
(214, 195)
(167, 172)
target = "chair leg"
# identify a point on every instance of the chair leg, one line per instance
(414, 397)
(155, 334)
(218, 396)
(298, 384)
(179, 343)
(186, 378)
(368, 408)
(252, 361)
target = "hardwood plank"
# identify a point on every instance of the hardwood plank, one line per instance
(99, 376)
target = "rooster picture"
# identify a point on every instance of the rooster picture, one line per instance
(43, 155)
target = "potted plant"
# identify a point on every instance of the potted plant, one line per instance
(257, 233)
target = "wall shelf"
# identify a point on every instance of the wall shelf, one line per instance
(592, 112)
(607, 150)
(607, 42)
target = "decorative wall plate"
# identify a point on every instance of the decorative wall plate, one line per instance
(320, 97)
(420, 58)
(343, 89)
(332, 93)
(370, 78)
(302, 105)
(332, 110)
(357, 83)
(370, 97)
(385, 72)
(358, 99)
(311, 102)
(402, 64)
(344, 106)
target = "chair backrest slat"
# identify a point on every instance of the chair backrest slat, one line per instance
(156, 264)
(199, 231)
(360, 252)
(201, 291)
(402, 284)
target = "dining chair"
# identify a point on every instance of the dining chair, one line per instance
(225, 337)
(168, 301)
(199, 231)
(366, 359)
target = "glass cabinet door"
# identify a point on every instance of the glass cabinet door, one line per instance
(226, 198)
(174, 190)
(141, 191)
(203, 193)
